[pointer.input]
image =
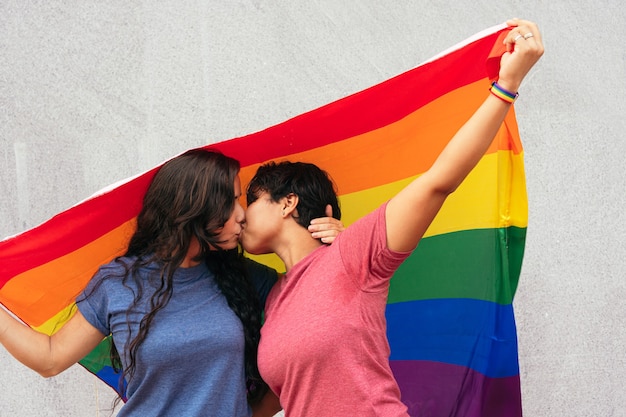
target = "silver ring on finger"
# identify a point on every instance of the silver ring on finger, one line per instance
(519, 35)
(528, 35)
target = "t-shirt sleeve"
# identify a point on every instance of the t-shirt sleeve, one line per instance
(263, 278)
(364, 251)
(93, 302)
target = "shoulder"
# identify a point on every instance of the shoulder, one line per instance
(110, 273)
(362, 230)
(116, 266)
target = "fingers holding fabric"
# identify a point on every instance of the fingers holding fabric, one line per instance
(524, 48)
(522, 30)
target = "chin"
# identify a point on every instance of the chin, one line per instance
(249, 249)
(249, 246)
(233, 245)
(229, 245)
(255, 251)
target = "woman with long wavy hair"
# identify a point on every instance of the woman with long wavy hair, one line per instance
(183, 305)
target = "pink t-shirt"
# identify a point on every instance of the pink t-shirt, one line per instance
(324, 349)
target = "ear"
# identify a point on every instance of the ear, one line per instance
(290, 205)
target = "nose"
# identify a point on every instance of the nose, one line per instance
(240, 213)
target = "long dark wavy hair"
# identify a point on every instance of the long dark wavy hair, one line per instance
(192, 196)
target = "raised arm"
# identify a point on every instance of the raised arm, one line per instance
(412, 210)
(48, 355)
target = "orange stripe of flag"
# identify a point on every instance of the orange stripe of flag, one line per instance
(39, 293)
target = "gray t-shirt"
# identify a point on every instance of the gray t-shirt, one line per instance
(192, 361)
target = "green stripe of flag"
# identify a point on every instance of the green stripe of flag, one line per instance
(481, 264)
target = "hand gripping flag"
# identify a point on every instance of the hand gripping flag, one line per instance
(450, 318)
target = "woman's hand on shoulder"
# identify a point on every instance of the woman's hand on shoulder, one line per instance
(326, 228)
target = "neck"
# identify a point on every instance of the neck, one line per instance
(194, 249)
(296, 246)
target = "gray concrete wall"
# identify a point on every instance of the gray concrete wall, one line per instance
(92, 92)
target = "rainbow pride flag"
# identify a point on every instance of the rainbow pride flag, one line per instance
(450, 318)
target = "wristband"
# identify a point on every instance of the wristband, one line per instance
(503, 94)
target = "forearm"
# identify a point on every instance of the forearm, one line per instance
(412, 210)
(468, 145)
(524, 48)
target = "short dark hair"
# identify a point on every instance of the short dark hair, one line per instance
(313, 186)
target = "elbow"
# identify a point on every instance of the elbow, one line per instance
(49, 373)
(49, 370)
(440, 186)
(444, 190)
(43, 368)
